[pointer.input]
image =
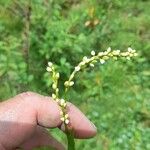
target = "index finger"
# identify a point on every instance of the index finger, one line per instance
(82, 127)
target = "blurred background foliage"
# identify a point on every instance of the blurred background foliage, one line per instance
(115, 96)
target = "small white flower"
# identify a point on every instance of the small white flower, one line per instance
(133, 51)
(92, 53)
(135, 54)
(131, 55)
(77, 68)
(57, 100)
(102, 61)
(57, 75)
(82, 63)
(66, 83)
(57, 90)
(50, 64)
(129, 49)
(62, 102)
(53, 96)
(67, 121)
(65, 104)
(110, 54)
(105, 57)
(100, 54)
(92, 65)
(66, 116)
(71, 83)
(85, 58)
(124, 54)
(62, 119)
(54, 86)
(116, 52)
(105, 53)
(109, 49)
(48, 69)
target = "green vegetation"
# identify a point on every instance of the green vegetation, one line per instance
(115, 96)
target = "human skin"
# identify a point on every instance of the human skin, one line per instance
(25, 117)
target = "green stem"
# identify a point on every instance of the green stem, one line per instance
(69, 132)
(70, 139)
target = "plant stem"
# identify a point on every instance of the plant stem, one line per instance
(69, 132)
(70, 138)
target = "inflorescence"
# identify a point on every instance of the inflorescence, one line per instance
(101, 57)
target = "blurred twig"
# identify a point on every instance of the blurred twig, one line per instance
(26, 34)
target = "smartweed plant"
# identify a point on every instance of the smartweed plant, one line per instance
(101, 57)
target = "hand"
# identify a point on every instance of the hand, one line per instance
(23, 120)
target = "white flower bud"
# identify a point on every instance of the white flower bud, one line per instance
(62, 119)
(85, 58)
(131, 55)
(65, 104)
(105, 57)
(135, 54)
(71, 83)
(57, 100)
(133, 51)
(92, 53)
(105, 53)
(129, 49)
(50, 64)
(57, 75)
(62, 102)
(77, 68)
(66, 116)
(100, 54)
(109, 49)
(66, 121)
(92, 65)
(102, 61)
(110, 54)
(48, 69)
(124, 54)
(66, 83)
(57, 90)
(116, 52)
(82, 63)
(53, 96)
(54, 86)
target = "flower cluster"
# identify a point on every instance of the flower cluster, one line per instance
(55, 77)
(101, 57)
(61, 102)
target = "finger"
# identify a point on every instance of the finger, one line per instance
(48, 114)
(82, 127)
(41, 137)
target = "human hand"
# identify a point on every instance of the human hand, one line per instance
(23, 120)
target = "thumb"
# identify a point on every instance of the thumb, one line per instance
(47, 111)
